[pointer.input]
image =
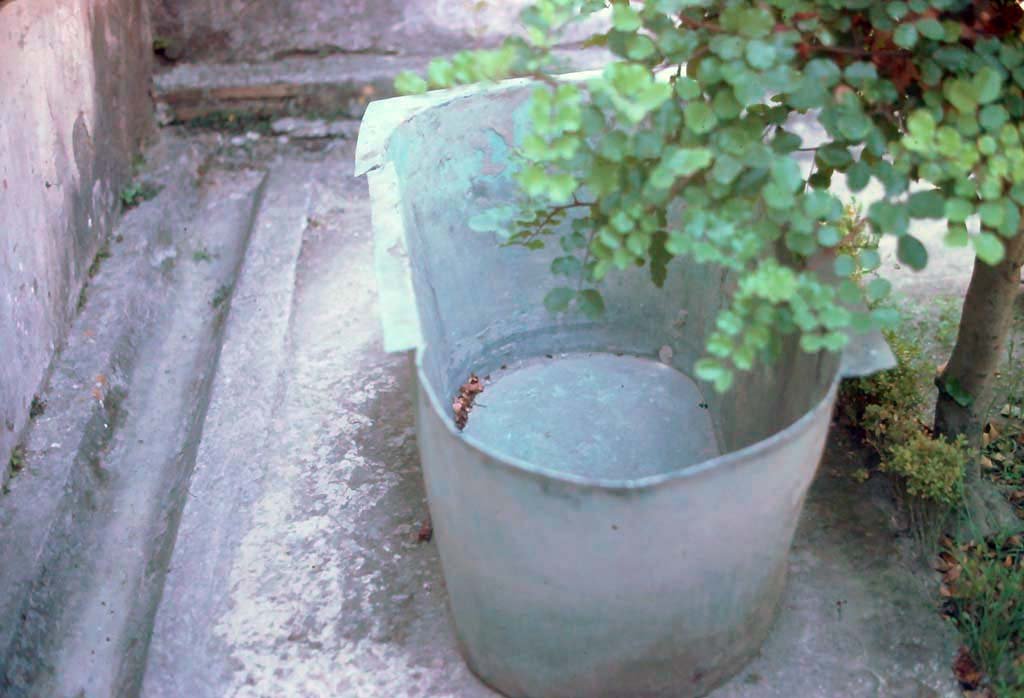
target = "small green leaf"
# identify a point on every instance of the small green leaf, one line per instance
(992, 213)
(921, 125)
(845, 265)
(897, 10)
(850, 291)
(859, 73)
(861, 322)
(777, 197)
(956, 235)
(993, 116)
(760, 54)
(726, 169)
(905, 36)
(886, 318)
(858, 176)
(931, 28)
(989, 248)
(603, 177)
(409, 83)
(878, 289)
(887, 217)
(558, 299)
(786, 174)
(686, 161)
(533, 180)
(834, 156)
(591, 303)
(829, 236)
(870, 260)
(987, 84)
(755, 22)
(987, 145)
(956, 391)
(687, 88)
(854, 125)
(726, 46)
(911, 252)
(958, 210)
(786, 142)
(497, 219)
(441, 73)
(714, 372)
(812, 343)
(699, 117)
(926, 204)
(569, 265)
(625, 18)
(639, 47)
(961, 95)
(823, 71)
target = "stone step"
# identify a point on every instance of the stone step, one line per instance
(232, 457)
(332, 87)
(74, 425)
(89, 525)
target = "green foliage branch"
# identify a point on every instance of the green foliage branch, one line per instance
(684, 145)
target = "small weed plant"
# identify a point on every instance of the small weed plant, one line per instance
(137, 192)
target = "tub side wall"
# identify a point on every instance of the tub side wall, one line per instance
(74, 108)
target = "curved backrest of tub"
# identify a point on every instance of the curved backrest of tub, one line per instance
(480, 304)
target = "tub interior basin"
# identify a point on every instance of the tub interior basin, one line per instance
(594, 414)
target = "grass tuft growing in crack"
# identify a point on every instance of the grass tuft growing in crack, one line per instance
(136, 192)
(222, 293)
(202, 255)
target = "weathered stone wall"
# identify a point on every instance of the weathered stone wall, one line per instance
(257, 30)
(74, 107)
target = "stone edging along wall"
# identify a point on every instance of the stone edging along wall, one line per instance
(74, 109)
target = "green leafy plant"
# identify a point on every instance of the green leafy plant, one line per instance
(932, 468)
(887, 408)
(101, 254)
(202, 254)
(889, 395)
(17, 460)
(135, 193)
(684, 145)
(222, 293)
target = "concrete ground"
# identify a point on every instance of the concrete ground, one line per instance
(249, 523)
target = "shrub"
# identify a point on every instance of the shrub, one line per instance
(894, 396)
(931, 468)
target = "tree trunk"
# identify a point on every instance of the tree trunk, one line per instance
(980, 342)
